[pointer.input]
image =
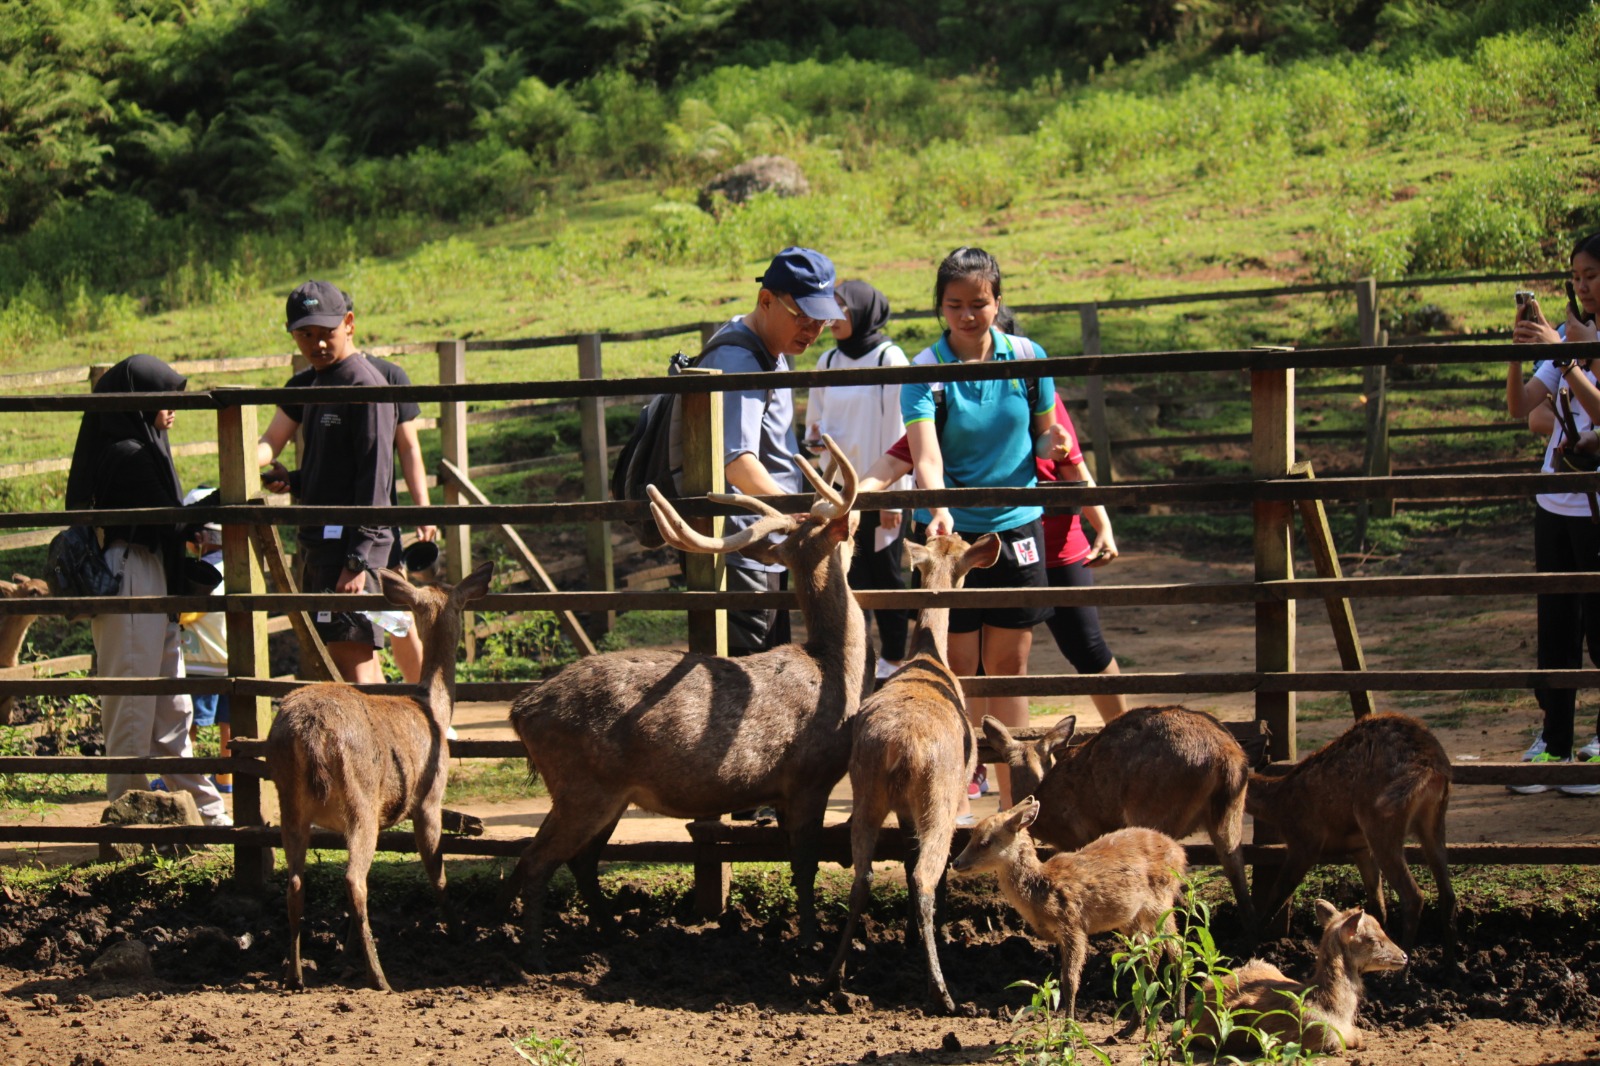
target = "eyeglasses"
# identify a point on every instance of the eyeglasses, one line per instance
(803, 321)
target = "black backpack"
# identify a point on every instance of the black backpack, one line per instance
(647, 458)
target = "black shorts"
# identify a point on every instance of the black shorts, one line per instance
(1021, 565)
(319, 574)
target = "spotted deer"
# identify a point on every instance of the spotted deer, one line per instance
(913, 754)
(694, 736)
(358, 763)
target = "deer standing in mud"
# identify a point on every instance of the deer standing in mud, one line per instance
(1258, 995)
(1165, 768)
(1385, 778)
(1128, 881)
(693, 736)
(913, 754)
(358, 763)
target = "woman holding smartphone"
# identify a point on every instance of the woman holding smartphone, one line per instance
(1562, 398)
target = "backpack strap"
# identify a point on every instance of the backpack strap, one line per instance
(738, 338)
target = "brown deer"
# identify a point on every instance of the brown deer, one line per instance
(1128, 882)
(1166, 768)
(1258, 996)
(913, 754)
(693, 736)
(1380, 781)
(358, 763)
(14, 627)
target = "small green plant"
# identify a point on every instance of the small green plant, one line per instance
(1045, 1037)
(548, 1050)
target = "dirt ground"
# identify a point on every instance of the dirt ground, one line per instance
(668, 989)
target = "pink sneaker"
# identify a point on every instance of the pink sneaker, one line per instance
(979, 786)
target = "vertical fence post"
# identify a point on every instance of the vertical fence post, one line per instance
(247, 630)
(453, 447)
(596, 462)
(1095, 392)
(1375, 388)
(1271, 456)
(708, 630)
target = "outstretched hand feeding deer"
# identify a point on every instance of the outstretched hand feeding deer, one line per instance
(691, 735)
(358, 763)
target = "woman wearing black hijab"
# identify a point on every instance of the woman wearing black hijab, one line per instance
(864, 420)
(123, 460)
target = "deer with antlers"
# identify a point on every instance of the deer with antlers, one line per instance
(691, 735)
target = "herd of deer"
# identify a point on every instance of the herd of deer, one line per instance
(690, 735)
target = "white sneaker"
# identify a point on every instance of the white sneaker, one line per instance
(1535, 749)
(1590, 750)
(887, 667)
(217, 820)
(1581, 790)
(1534, 790)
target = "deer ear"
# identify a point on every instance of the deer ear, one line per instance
(475, 584)
(915, 554)
(1060, 734)
(998, 736)
(1024, 813)
(396, 589)
(1326, 912)
(986, 552)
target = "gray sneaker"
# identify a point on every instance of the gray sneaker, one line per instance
(1590, 750)
(1534, 790)
(1535, 749)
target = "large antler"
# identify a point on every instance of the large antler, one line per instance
(831, 503)
(678, 533)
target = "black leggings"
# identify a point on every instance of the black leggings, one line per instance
(1077, 629)
(881, 570)
(1567, 621)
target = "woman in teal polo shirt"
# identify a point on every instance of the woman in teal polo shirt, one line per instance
(989, 434)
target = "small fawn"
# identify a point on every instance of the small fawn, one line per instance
(1383, 779)
(1260, 997)
(913, 754)
(359, 763)
(14, 627)
(1125, 882)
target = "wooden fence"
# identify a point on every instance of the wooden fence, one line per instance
(1273, 491)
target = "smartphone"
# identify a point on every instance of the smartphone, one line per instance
(1574, 308)
(1524, 298)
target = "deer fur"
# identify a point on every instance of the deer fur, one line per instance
(359, 763)
(1127, 881)
(14, 627)
(913, 754)
(1166, 768)
(1383, 779)
(1262, 998)
(694, 736)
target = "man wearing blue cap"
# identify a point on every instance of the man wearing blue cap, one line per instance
(795, 303)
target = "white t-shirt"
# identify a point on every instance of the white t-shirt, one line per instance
(864, 420)
(1573, 504)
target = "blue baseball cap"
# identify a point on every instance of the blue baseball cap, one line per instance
(807, 275)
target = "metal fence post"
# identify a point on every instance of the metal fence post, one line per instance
(596, 467)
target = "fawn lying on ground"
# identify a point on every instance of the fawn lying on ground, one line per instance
(1125, 882)
(358, 763)
(913, 754)
(1261, 997)
(694, 736)
(1166, 768)
(1384, 778)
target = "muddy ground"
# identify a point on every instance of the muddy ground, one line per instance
(666, 988)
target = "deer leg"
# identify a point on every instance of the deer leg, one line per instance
(1226, 830)
(296, 837)
(1431, 834)
(1296, 864)
(866, 821)
(564, 832)
(361, 837)
(1388, 848)
(427, 827)
(1074, 949)
(1371, 884)
(805, 846)
(585, 867)
(923, 876)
